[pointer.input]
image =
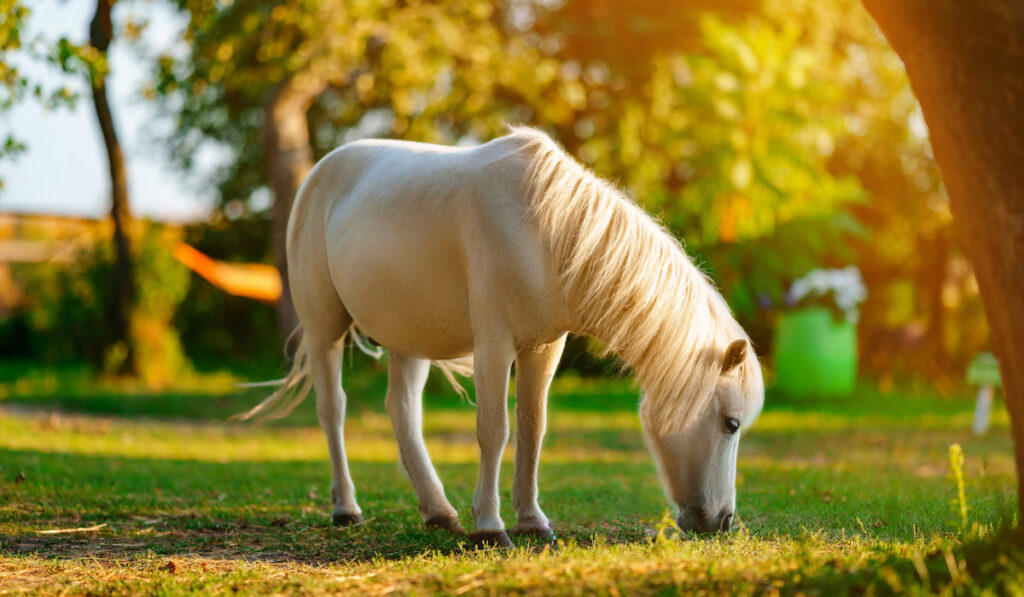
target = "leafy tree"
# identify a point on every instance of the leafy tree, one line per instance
(131, 331)
(13, 15)
(280, 85)
(733, 150)
(763, 133)
(772, 137)
(283, 85)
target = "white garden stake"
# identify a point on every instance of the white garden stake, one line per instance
(983, 372)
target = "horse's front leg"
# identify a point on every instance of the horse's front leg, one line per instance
(534, 370)
(492, 363)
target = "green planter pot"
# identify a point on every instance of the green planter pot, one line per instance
(815, 355)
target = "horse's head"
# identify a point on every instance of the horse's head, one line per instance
(698, 462)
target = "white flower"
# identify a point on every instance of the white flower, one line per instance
(845, 286)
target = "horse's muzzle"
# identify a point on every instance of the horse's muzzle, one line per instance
(697, 520)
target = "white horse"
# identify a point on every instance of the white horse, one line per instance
(475, 258)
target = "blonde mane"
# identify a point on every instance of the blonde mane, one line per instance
(631, 284)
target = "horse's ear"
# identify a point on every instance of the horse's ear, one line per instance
(735, 354)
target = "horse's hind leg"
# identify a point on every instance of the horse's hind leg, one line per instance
(406, 378)
(326, 344)
(534, 370)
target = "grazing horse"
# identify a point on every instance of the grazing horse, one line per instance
(475, 258)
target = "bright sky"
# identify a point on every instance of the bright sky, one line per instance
(65, 168)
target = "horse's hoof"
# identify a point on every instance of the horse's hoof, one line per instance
(346, 520)
(544, 533)
(445, 523)
(490, 539)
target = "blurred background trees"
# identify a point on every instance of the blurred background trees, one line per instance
(772, 137)
(105, 311)
(12, 84)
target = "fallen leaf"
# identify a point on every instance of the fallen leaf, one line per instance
(74, 530)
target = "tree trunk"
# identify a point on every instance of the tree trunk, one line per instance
(966, 66)
(100, 35)
(288, 158)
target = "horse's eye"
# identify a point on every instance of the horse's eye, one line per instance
(732, 425)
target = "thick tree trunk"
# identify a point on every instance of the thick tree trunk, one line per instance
(288, 158)
(965, 60)
(100, 35)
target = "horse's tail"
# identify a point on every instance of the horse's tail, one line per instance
(462, 365)
(293, 387)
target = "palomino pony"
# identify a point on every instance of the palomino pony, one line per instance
(475, 258)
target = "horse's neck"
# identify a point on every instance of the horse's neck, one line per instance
(665, 326)
(667, 329)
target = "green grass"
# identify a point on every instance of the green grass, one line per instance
(839, 496)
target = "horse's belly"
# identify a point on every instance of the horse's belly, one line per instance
(406, 291)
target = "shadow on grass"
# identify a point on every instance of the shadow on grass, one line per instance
(992, 564)
(271, 511)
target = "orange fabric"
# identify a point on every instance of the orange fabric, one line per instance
(251, 280)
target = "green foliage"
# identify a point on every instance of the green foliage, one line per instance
(245, 331)
(919, 283)
(13, 15)
(729, 140)
(161, 284)
(429, 71)
(67, 310)
(731, 145)
(772, 137)
(80, 59)
(747, 130)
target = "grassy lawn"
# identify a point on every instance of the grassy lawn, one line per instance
(848, 496)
